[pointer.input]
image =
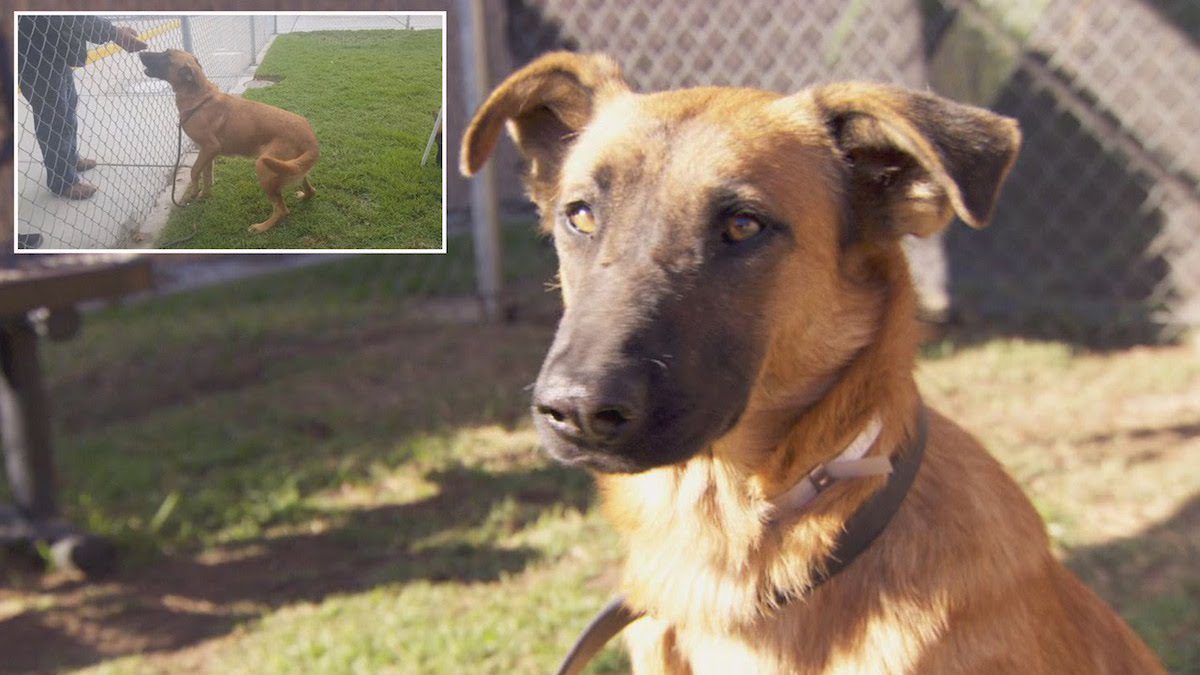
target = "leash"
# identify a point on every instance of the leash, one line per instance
(861, 529)
(183, 118)
(174, 172)
(611, 620)
(178, 159)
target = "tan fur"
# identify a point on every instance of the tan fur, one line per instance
(283, 142)
(962, 580)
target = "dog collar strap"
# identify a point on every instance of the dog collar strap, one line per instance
(850, 463)
(185, 116)
(869, 521)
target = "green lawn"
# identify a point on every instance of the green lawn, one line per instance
(371, 97)
(325, 471)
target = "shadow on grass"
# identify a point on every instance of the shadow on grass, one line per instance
(182, 601)
(1183, 431)
(1152, 579)
(247, 403)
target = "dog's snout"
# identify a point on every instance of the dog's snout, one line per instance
(597, 413)
(608, 421)
(155, 63)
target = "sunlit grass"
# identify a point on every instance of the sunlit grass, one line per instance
(371, 97)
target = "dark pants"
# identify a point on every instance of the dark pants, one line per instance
(53, 99)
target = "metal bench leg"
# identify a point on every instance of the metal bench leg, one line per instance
(25, 422)
(29, 460)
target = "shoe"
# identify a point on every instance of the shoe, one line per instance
(33, 240)
(84, 164)
(80, 190)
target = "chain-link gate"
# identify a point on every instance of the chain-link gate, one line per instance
(1095, 237)
(84, 99)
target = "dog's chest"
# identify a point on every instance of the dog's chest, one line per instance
(783, 649)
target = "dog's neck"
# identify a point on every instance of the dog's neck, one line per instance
(187, 98)
(830, 397)
(875, 381)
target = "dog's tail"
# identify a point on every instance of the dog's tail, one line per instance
(296, 167)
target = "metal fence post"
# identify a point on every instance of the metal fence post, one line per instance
(185, 27)
(437, 129)
(485, 222)
(253, 41)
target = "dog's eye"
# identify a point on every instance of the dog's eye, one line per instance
(579, 215)
(740, 227)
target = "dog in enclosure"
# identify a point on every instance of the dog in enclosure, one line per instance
(283, 142)
(735, 362)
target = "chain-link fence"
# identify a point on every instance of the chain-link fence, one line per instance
(1096, 234)
(85, 98)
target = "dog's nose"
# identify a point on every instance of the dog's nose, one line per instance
(599, 413)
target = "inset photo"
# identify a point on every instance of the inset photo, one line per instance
(245, 131)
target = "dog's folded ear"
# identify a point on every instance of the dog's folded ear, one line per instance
(915, 160)
(545, 104)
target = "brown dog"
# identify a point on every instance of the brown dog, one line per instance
(738, 330)
(220, 124)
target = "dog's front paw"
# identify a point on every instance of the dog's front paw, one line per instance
(260, 227)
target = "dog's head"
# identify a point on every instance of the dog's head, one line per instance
(179, 68)
(703, 237)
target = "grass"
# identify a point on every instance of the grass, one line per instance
(371, 97)
(323, 471)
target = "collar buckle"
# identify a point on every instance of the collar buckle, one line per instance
(821, 478)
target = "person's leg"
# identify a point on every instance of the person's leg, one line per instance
(71, 105)
(30, 240)
(51, 97)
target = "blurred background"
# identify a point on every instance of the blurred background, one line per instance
(325, 464)
(1096, 239)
